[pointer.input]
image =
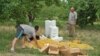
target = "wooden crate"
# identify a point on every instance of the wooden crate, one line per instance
(75, 50)
(45, 48)
(64, 51)
(82, 55)
(53, 49)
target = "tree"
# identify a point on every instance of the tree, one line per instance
(18, 9)
(53, 11)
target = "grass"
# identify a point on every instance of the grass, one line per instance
(89, 35)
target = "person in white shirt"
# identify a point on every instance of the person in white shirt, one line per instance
(72, 21)
(25, 32)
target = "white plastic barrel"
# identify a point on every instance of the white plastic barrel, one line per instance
(49, 23)
(54, 31)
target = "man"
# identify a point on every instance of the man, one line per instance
(72, 21)
(24, 31)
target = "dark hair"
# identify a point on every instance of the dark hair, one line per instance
(36, 27)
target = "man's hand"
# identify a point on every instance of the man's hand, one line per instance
(38, 46)
(36, 42)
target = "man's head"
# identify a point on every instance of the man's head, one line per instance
(36, 28)
(72, 9)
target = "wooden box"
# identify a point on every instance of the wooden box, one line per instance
(53, 49)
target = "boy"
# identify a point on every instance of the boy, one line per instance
(25, 31)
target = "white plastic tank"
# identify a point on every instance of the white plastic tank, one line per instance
(57, 38)
(54, 31)
(53, 23)
(49, 23)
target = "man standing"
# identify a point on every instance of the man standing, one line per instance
(72, 21)
(25, 32)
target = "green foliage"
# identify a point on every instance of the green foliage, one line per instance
(50, 2)
(53, 11)
(97, 6)
(18, 10)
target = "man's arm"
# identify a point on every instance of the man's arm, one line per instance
(69, 17)
(36, 42)
(76, 15)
